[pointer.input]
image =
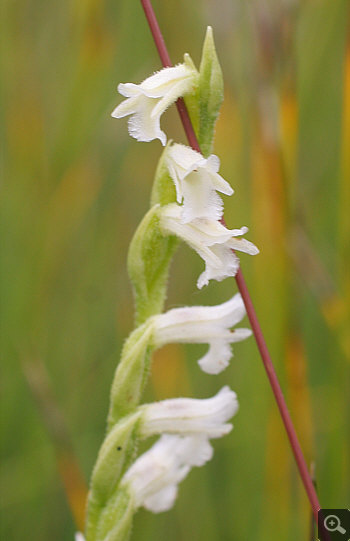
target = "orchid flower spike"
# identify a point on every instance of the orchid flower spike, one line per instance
(153, 478)
(147, 101)
(211, 240)
(204, 325)
(196, 180)
(190, 416)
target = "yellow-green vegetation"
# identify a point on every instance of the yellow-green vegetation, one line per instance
(75, 187)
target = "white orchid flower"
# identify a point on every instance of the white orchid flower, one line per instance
(147, 101)
(211, 240)
(153, 478)
(204, 325)
(190, 416)
(196, 180)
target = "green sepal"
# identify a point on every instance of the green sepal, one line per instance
(149, 257)
(131, 374)
(116, 454)
(204, 105)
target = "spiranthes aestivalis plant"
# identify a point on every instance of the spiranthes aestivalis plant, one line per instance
(185, 205)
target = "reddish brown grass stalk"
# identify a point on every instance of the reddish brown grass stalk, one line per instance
(268, 364)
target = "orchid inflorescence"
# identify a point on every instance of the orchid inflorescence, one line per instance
(185, 205)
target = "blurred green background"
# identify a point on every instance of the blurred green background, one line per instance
(75, 188)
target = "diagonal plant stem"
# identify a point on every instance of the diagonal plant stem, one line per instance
(312, 520)
(265, 355)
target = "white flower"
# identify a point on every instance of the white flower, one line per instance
(153, 478)
(191, 416)
(196, 180)
(211, 240)
(79, 537)
(204, 325)
(147, 101)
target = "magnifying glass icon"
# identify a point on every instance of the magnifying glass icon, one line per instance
(332, 524)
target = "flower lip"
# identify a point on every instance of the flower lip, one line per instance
(211, 240)
(153, 478)
(196, 181)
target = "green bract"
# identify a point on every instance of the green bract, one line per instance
(205, 104)
(115, 456)
(116, 518)
(163, 190)
(131, 374)
(148, 262)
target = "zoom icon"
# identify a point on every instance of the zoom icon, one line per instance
(334, 525)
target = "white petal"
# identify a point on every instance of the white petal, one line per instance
(183, 158)
(158, 84)
(196, 180)
(162, 500)
(142, 125)
(129, 90)
(243, 245)
(146, 102)
(181, 88)
(198, 324)
(199, 451)
(228, 265)
(189, 416)
(203, 325)
(211, 240)
(217, 358)
(230, 312)
(125, 108)
(238, 335)
(218, 182)
(200, 200)
(213, 163)
(199, 233)
(79, 537)
(162, 467)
